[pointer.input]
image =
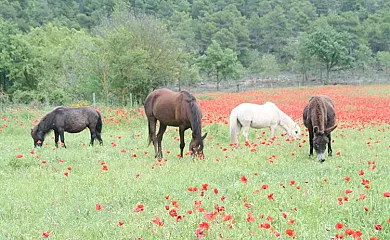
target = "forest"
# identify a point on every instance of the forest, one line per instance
(61, 52)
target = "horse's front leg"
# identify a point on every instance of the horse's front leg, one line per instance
(272, 131)
(61, 132)
(182, 143)
(330, 146)
(311, 136)
(160, 134)
(56, 137)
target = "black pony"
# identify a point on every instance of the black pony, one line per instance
(71, 120)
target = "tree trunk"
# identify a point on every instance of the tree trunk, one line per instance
(217, 81)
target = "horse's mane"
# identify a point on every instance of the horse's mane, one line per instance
(196, 115)
(45, 124)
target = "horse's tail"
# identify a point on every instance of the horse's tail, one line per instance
(148, 108)
(99, 124)
(235, 127)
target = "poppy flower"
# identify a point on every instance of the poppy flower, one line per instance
(192, 189)
(69, 168)
(105, 168)
(338, 226)
(386, 194)
(139, 208)
(210, 215)
(134, 155)
(347, 178)
(291, 221)
(250, 217)
(348, 231)
(98, 206)
(271, 197)
(19, 155)
(215, 190)
(244, 179)
(158, 221)
(120, 223)
(43, 161)
(204, 225)
(290, 233)
(265, 225)
(265, 186)
(66, 174)
(45, 234)
(378, 227)
(339, 236)
(200, 233)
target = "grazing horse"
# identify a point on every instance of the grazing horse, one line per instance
(260, 116)
(71, 120)
(177, 109)
(320, 119)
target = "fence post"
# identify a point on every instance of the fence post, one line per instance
(94, 100)
(131, 100)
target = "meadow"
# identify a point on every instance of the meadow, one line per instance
(261, 190)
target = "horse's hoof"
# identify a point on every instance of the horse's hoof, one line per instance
(321, 160)
(329, 154)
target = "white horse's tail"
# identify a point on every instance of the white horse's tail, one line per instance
(235, 127)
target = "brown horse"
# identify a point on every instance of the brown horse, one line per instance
(72, 120)
(320, 119)
(177, 109)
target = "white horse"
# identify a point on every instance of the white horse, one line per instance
(260, 116)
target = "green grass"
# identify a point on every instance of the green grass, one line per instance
(37, 197)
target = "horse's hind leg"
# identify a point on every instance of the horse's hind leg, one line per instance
(160, 134)
(61, 132)
(152, 133)
(182, 143)
(99, 137)
(56, 137)
(245, 132)
(330, 146)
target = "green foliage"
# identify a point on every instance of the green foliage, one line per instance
(330, 47)
(383, 59)
(270, 67)
(221, 63)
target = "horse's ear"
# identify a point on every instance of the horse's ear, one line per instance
(315, 129)
(329, 130)
(204, 136)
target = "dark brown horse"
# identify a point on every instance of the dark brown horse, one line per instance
(320, 119)
(177, 109)
(71, 120)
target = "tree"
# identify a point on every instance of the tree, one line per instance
(221, 63)
(270, 67)
(330, 47)
(383, 59)
(363, 56)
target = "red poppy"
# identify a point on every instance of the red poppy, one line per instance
(291, 221)
(348, 191)
(210, 215)
(347, 178)
(105, 168)
(378, 227)
(250, 217)
(166, 197)
(215, 191)
(69, 168)
(265, 225)
(19, 155)
(192, 189)
(348, 231)
(339, 236)
(265, 186)
(292, 183)
(173, 213)
(139, 208)
(205, 186)
(98, 206)
(134, 155)
(120, 223)
(338, 226)
(137, 175)
(158, 221)
(43, 161)
(374, 238)
(290, 233)
(204, 225)
(361, 172)
(244, 179)
(45, 234)
(200, 233)
(386, 194)
(66, 174)
(223, 198)
(284, 215)
(271, 197)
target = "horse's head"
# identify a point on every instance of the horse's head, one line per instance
(196, 147)
(320, 141)
(295, 132)
(37, 136)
